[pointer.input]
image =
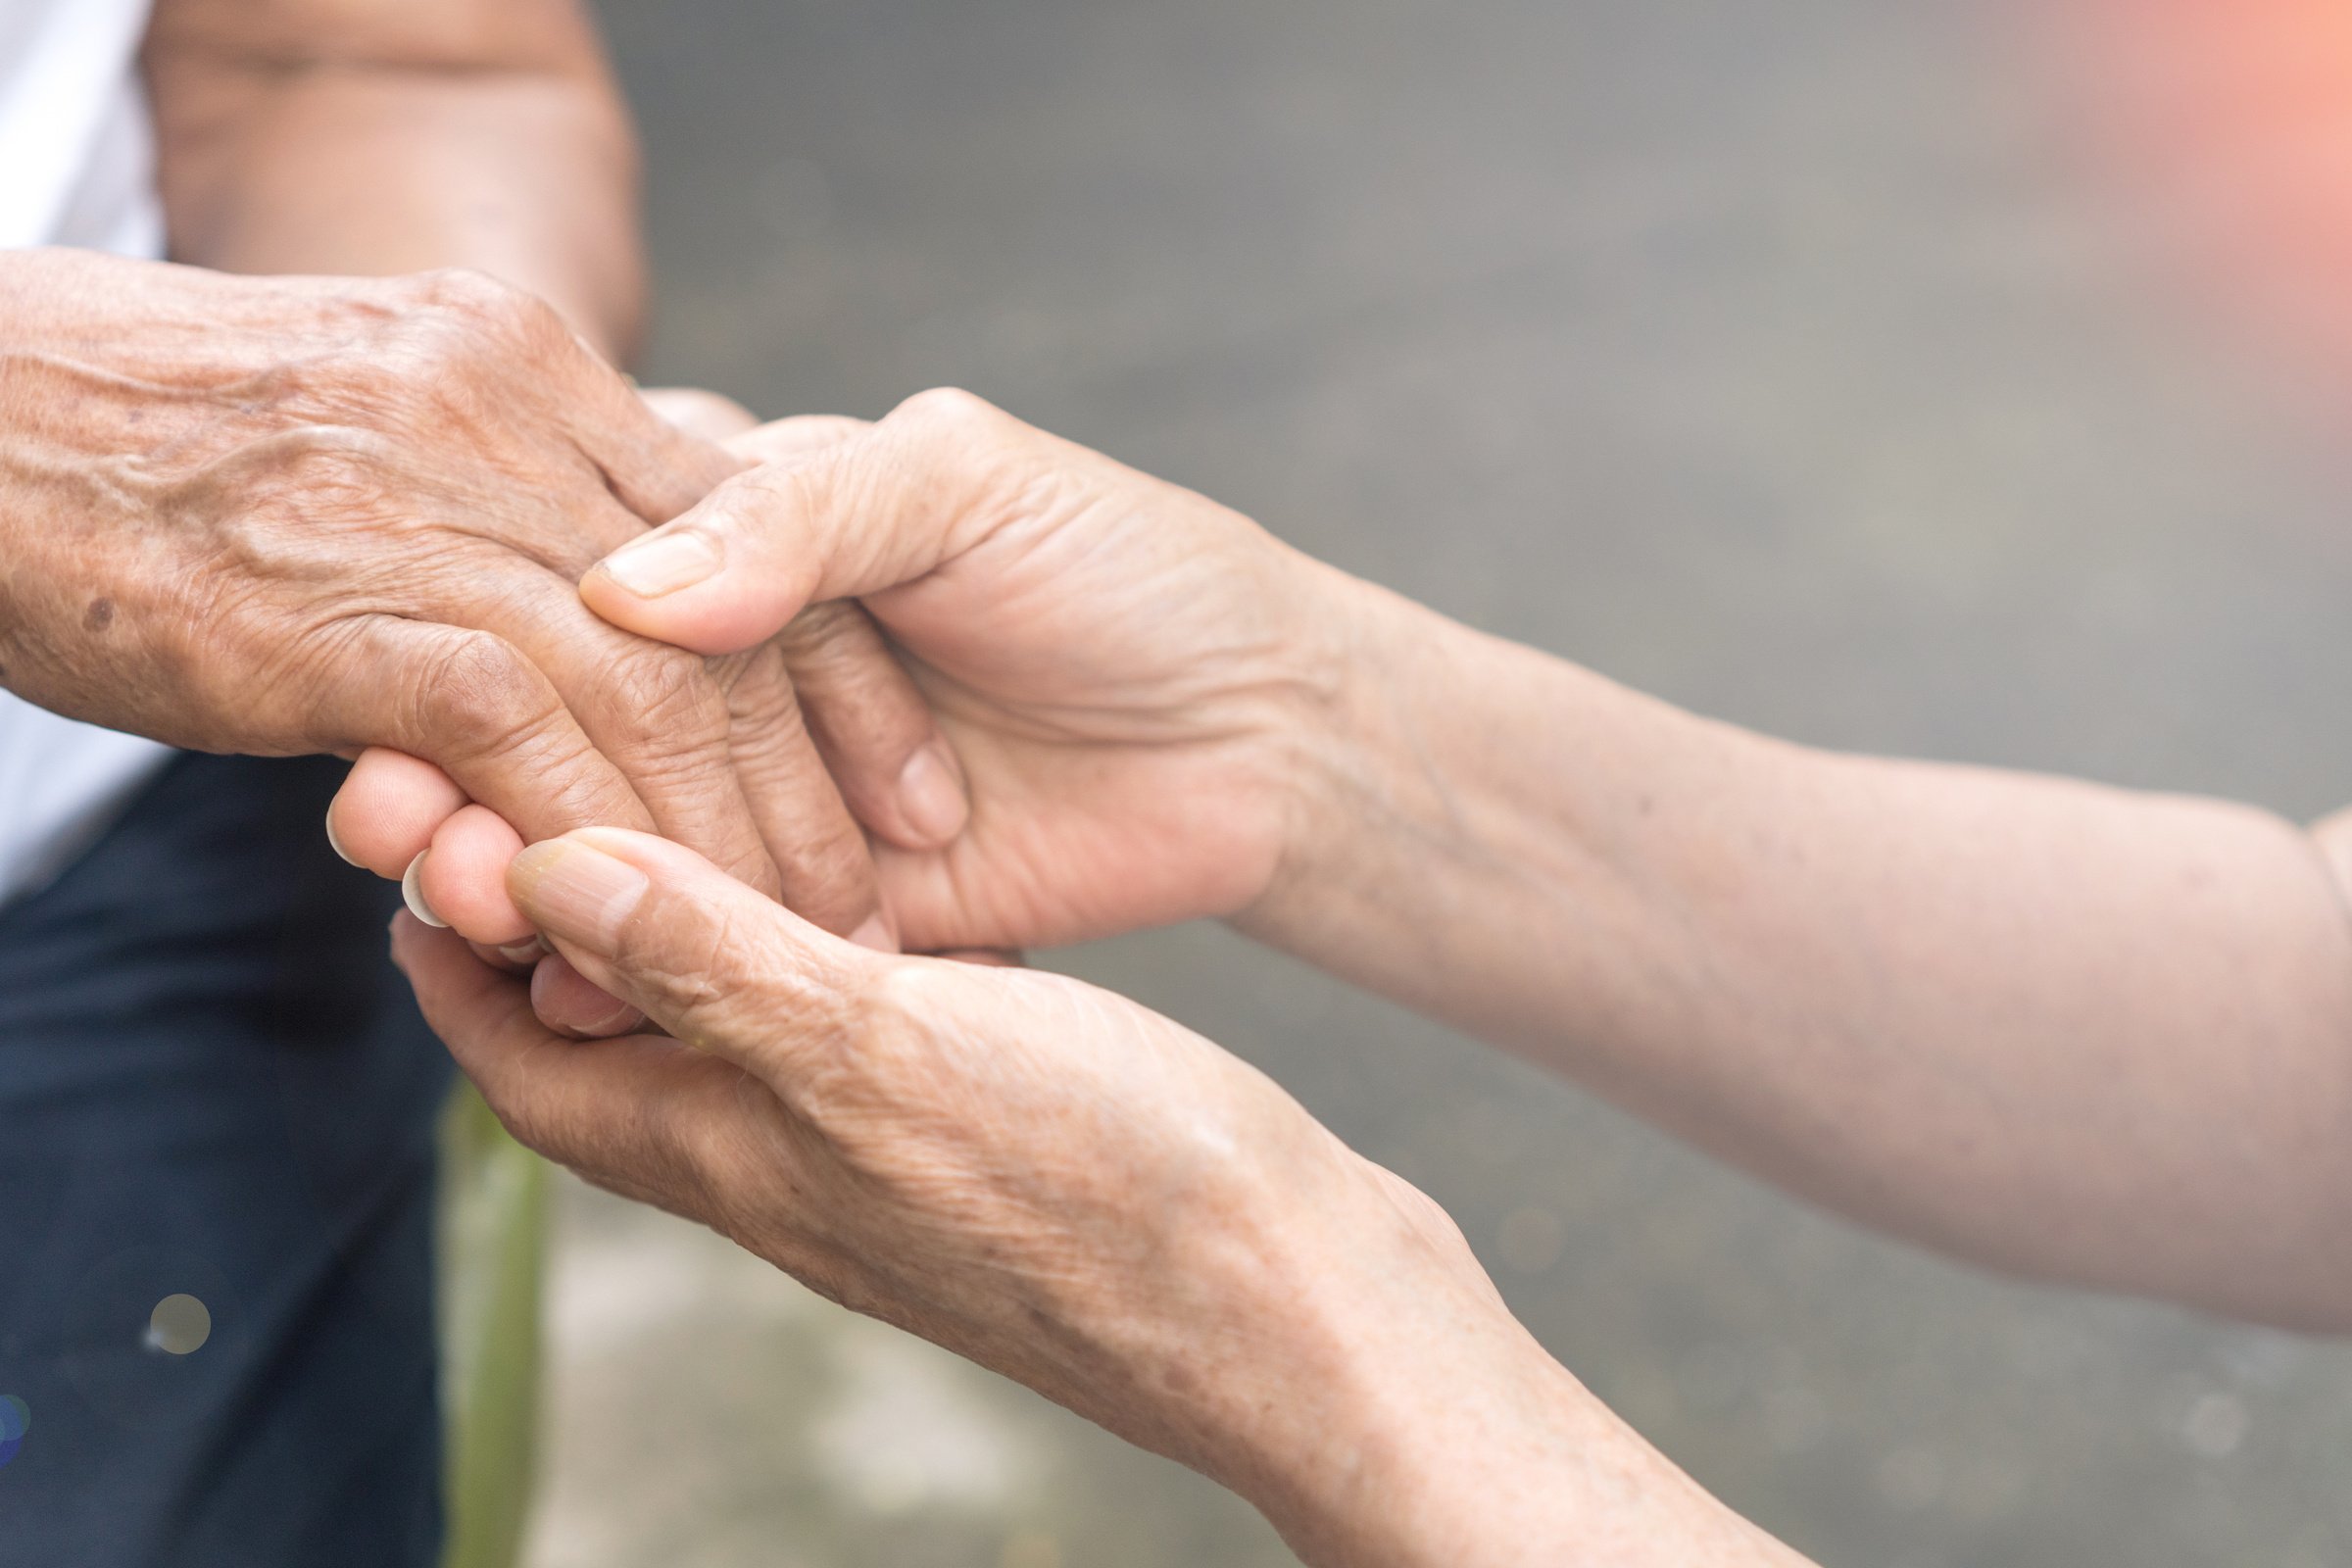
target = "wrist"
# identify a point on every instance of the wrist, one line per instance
(1351, 765)
(1392, 1414)
(1370, 1381)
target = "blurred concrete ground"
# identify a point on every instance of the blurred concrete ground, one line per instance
(1783, 359)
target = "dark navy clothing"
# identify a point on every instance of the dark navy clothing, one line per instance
(212, 1084)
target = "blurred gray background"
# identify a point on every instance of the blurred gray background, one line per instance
(1785, 358)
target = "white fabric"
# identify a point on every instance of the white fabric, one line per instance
(76, 168)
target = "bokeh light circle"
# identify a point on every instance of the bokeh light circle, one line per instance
(179, 1325)
(16, 1419)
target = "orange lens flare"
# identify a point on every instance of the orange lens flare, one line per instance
(2231, 122)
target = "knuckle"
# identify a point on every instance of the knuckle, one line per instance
(467, 293)
(767, 729)
(898, 998)
(829, 640)
(664, 701)
(481, 696)
(768, 493)
(697, 410)
(471, 320)
(858, 698)
(829, 879)
(950, 411)
(896, 1005)
(698, 968)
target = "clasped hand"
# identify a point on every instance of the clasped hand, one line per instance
(1041, 1176)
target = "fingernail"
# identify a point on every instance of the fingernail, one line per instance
(663, 563)
(335, 844)
(931, 794)
(530, 952)
(411, 892)
(575, 891)
(875, 934)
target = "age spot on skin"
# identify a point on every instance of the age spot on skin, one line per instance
(101, 614)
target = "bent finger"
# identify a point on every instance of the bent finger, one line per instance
(570, 1004)
(387, 808)
(660, 716)
(894, 766)
(471, 703)
(824, 868)
(461, 877)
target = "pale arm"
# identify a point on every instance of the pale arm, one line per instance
(2077, 1032)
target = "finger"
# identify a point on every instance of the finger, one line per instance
(698, 411)
(462, 877)
(397, 806)
(625, 1111)
(824, 869)
(389, 805)
(460, 882)
(660, 715)
(754, 798)
(986, 957)
(470, 701)
(711, 962)
(873, 729)
(571, 1004)
(866, 514)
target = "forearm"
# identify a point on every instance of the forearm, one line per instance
(429, 136)
(1412, 1423)
(2072, 1031)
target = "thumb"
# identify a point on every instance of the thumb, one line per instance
(711, 961)
(882, 505)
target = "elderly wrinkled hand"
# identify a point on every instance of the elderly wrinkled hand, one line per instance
(285, 515)
(1037, 1174)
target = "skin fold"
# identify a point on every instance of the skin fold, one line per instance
(2084, 1034)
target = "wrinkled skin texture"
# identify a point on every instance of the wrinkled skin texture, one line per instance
(289, 516)
(1122, 668)
(1036, 1174)
(1073, 1191)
